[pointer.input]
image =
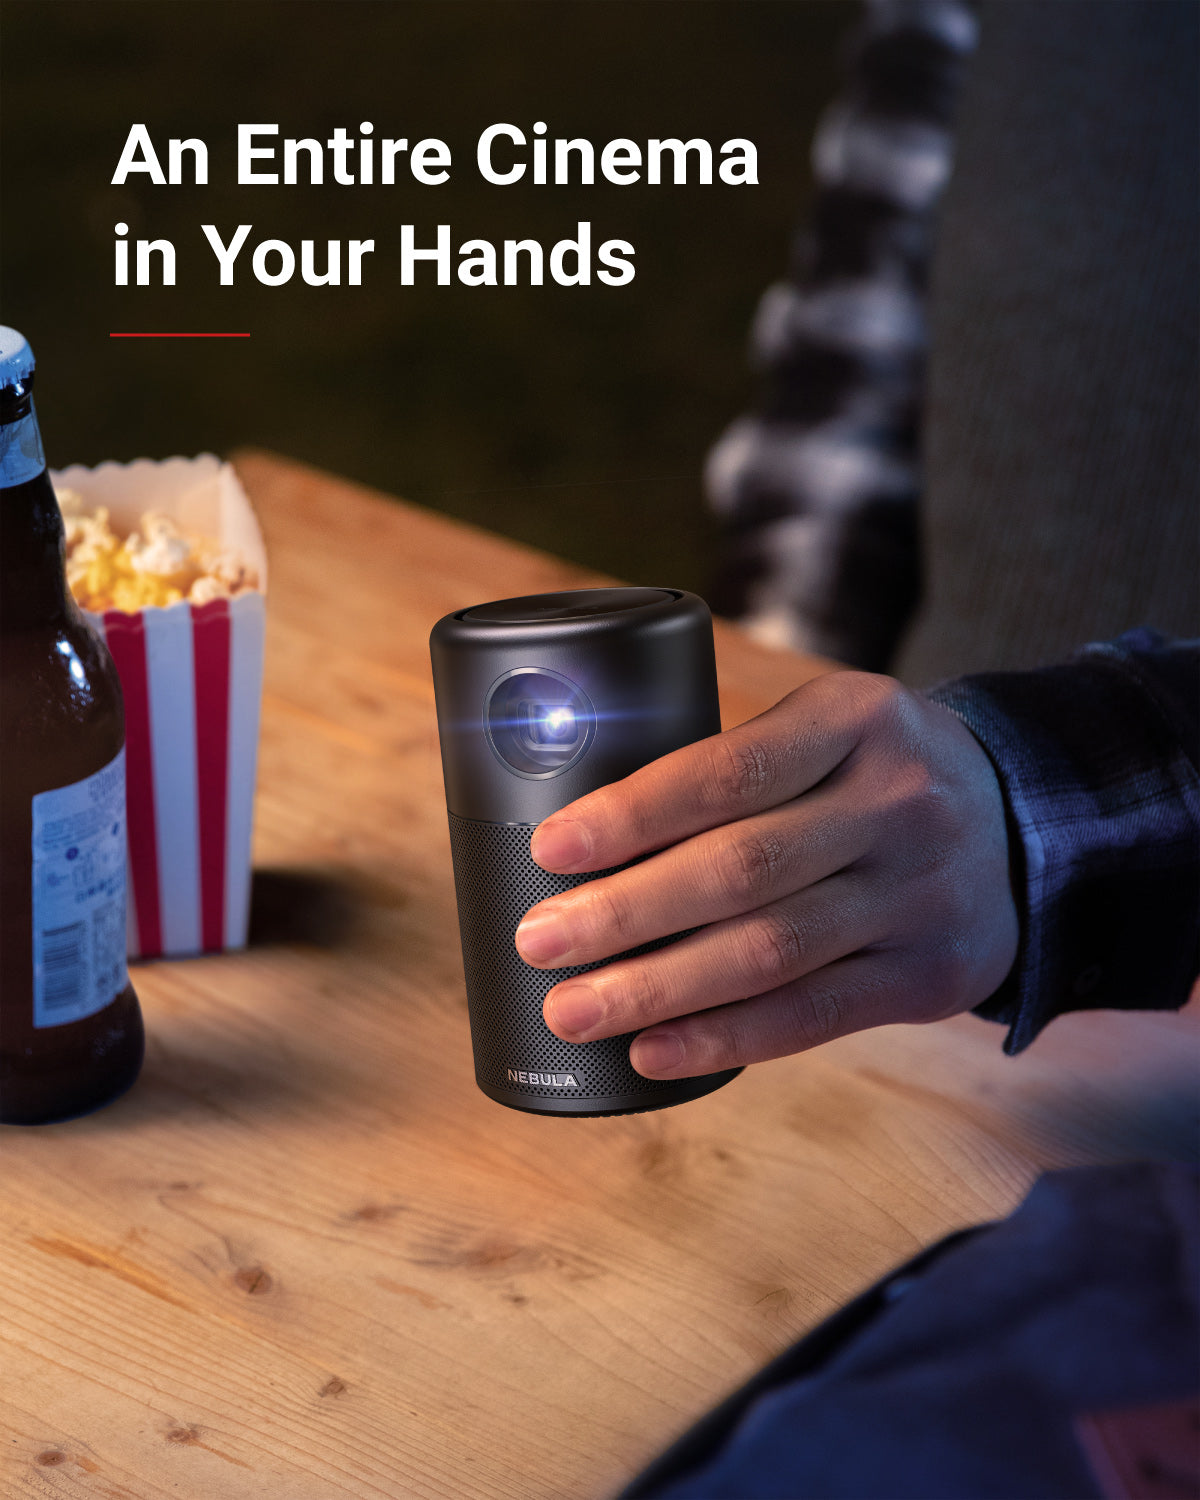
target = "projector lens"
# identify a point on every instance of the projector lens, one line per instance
(538, 722)
(556, 724)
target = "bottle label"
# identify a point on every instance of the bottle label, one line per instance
(21, 456)
(79, 896)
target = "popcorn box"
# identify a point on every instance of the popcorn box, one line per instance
(192, 681)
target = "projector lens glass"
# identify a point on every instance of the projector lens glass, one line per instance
(555, 725)
(538, 723)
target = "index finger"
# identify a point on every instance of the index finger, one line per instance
(768, 760)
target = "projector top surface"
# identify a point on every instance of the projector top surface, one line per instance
(571, 604)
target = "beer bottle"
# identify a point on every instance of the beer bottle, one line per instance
(70, 1025)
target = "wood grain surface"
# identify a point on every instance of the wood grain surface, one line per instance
(305, 1258)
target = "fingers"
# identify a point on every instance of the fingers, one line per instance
(715, 875)
(731, 960)
(855, 993)
(747, 770)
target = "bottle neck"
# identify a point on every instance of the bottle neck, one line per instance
(21, 455)
(33, 585)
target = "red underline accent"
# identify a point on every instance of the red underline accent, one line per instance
(179, 335)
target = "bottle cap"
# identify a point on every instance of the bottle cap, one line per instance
(16, 361)
(16, 378)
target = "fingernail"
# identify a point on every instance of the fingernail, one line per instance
(656, 1052)
(560, 844)
(541, 939)
(574, 1008)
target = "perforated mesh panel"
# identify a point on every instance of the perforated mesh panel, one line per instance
(497, 882)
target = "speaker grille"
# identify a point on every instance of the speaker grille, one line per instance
(496, 882)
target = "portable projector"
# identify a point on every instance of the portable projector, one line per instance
(539, 700)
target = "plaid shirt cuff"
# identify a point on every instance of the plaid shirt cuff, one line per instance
(1097, 760)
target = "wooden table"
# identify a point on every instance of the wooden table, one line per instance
(306, 1258)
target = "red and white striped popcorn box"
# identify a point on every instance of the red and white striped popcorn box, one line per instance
(192, 681)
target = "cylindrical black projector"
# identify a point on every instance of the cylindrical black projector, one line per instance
(539, 700)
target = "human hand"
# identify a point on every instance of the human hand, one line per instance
(844, 856)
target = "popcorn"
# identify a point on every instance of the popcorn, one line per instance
(162, 549)
(205, 590)
(157, 564)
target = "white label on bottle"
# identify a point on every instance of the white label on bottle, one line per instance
(79, 897)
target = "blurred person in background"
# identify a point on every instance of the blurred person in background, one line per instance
(1039, 486)
(1018, 842)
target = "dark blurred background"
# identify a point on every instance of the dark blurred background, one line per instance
(576, 419)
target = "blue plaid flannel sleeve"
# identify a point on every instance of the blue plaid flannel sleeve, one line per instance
(1098, 761)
